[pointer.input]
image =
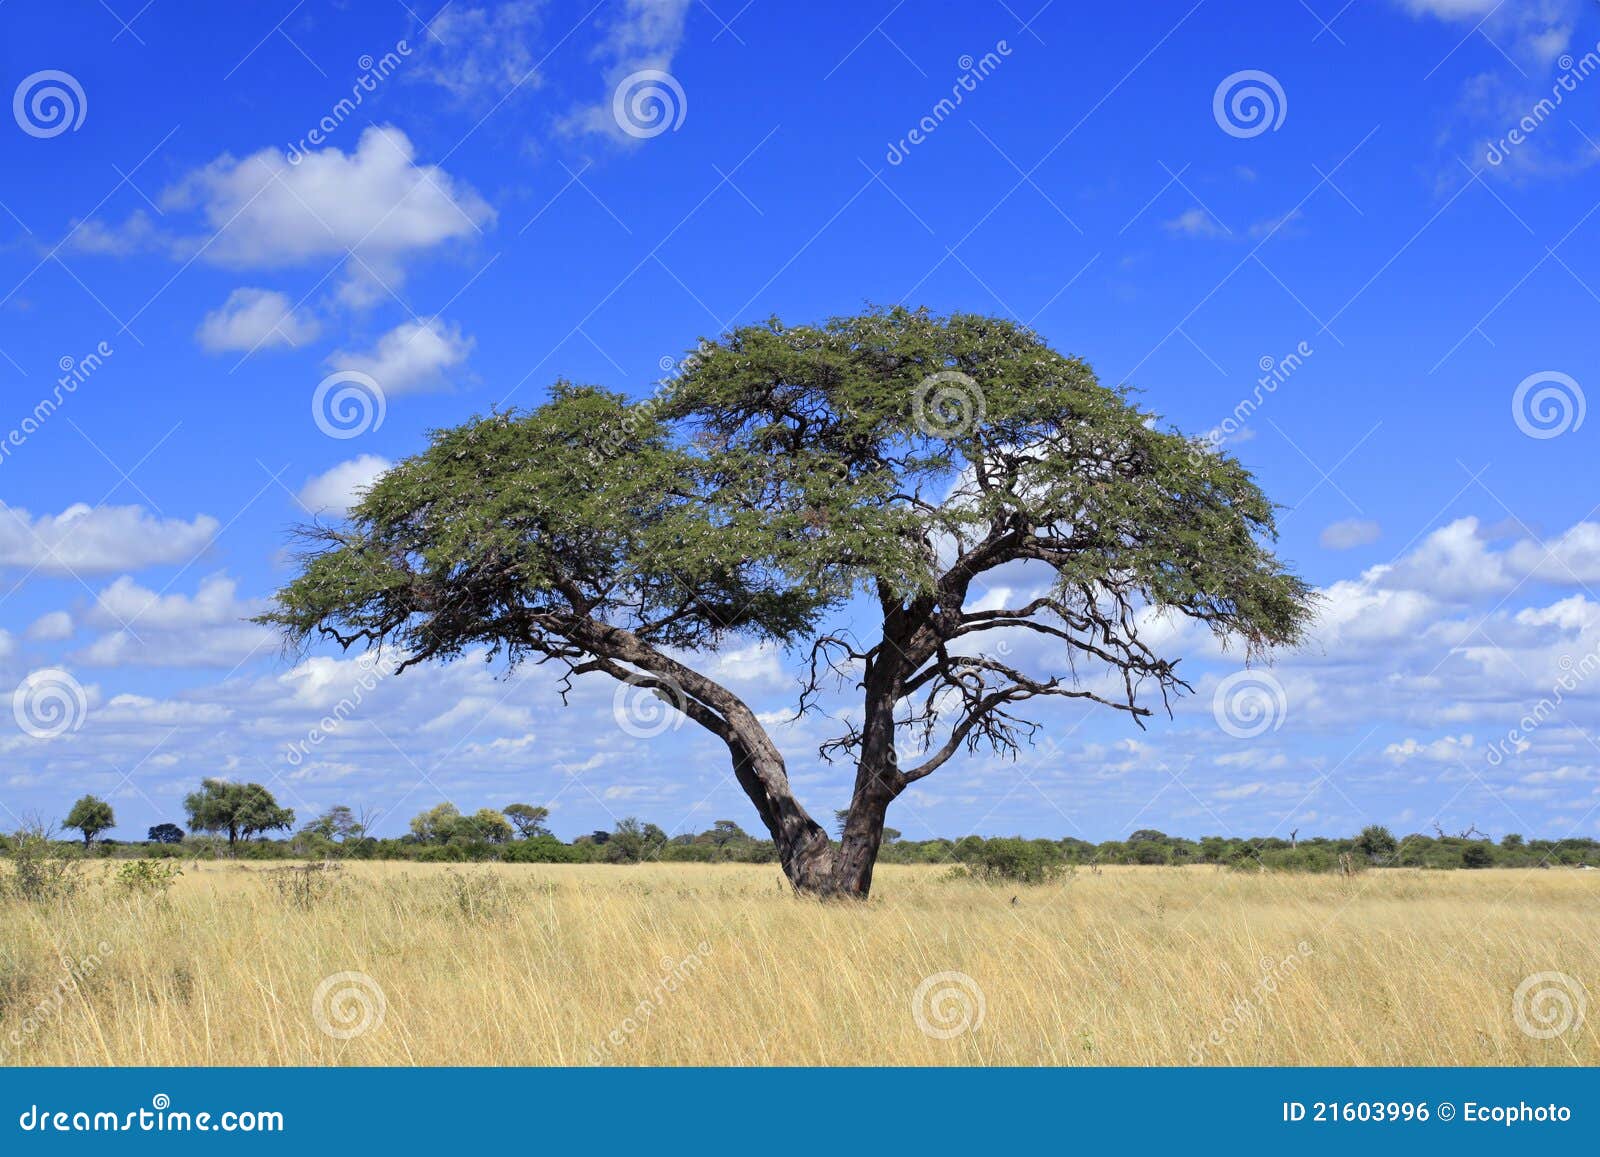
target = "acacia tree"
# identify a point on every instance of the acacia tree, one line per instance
(881, 467)
(240, 809)
(91, 815)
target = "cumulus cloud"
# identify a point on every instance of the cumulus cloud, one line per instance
(53, 627)
(376, 206)
(146, 628)
(410, 358)
(1349, 533)
(253, 319)
(86, 539)
(335, 491)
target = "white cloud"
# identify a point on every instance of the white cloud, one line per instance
(254, 318)
(1349, 533)
(89, 540)
(53, 627)
(1538, 29)
(645, 34)
(481, 54)
(411, 357)
(376, 205)
(1195, 222)
(144, 628)
(337, 490)
(1446, 749)
(1454, 562)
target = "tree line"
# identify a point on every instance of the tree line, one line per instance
(242, 819)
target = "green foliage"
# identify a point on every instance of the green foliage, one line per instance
(1015, 861)
(41, 869)
(1376, 843)
(241, 810)
(527, 819)
(166, 834)
(634, 842)
(145, 877)
(91, 815)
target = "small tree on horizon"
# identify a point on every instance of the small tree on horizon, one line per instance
(884, 469)
(91, 815)
(165, 834)
(527, 819)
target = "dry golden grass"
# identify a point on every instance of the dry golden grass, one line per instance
(535, 965)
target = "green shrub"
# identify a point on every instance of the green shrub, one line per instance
(41, 869)
(1014, 861)
(147, 877)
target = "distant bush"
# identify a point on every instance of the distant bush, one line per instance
(147, 877)
(41, 868)
(1014, 861)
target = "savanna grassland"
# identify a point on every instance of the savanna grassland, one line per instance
(386, 964)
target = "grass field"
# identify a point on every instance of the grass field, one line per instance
(406, 964)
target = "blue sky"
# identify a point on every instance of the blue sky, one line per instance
(480, 224)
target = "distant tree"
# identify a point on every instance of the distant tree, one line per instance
(725, 832)
(437, 824)
(91, 815)
(528, 820)
(485, 824)
(893, 463)
(242, 810)
(1478, 854)
(1148, 836)
(337, 823)
(1511, 840)
(165, 834)
(634, 842)
(1376, 842)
